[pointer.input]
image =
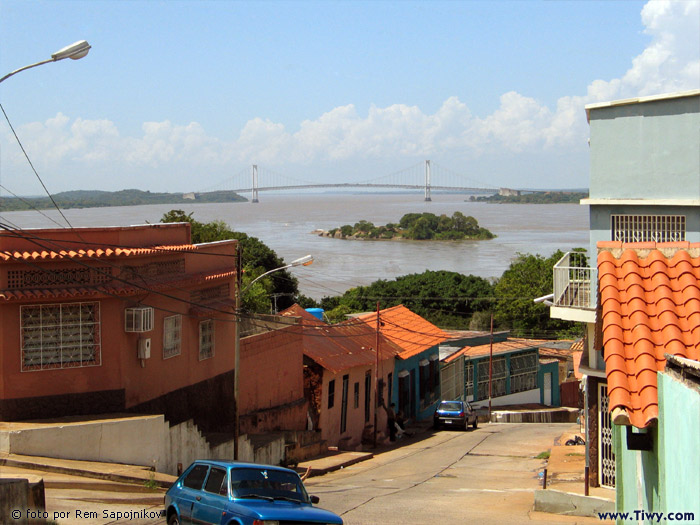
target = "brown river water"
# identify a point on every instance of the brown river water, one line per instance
(285, 223)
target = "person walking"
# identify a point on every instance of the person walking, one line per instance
(390, 420)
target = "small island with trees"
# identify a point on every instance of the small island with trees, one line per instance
(540, 197)
(417, 227)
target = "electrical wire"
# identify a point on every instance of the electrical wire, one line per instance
(32, 166)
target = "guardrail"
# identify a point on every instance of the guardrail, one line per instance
(575, 284)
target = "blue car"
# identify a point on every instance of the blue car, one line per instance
(233, 493)
(455, 414)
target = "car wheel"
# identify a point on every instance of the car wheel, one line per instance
(466, 423)
(174, 519)
(476, 423)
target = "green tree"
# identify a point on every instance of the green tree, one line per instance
(447, 299)
(257, 257)
(528, 277)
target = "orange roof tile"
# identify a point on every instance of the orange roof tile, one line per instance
(98, 253)
(340, 346)
(115, 288)
(408, 330)
(650, 307)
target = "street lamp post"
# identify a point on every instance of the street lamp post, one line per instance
(303, 261)
(73, 51)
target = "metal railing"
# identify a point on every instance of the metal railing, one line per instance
(575, 284)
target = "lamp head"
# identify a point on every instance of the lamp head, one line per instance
(302, 261)
(73, 51)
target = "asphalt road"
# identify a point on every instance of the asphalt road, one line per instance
(448, 477)
(480, 476)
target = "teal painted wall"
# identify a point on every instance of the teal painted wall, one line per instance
(646, 150)
(600, 220)
(553, 369)
(667, 478)
(679, 439)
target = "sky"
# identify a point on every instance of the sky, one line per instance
(186, 95)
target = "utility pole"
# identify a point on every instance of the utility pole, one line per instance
(490, 365)
(376, 379)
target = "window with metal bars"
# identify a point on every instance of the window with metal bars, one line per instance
(498, 378)
(523, 372)
(647, 228)
(64, 335)
(206, 339)
(172, 330)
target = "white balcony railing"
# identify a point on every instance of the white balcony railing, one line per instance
(575, 284)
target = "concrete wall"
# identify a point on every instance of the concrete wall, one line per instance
(136, 441)
(329, 421)
(646, 150)
(664, 479)
(146, 440)
(521, 398)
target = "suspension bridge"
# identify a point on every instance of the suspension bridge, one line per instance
(425, 176)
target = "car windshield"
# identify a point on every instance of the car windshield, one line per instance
(451, 406)
(267, 484)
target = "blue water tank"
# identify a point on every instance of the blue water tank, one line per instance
(316, 312)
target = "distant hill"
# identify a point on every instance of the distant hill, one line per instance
(545, 197)
(99, 199)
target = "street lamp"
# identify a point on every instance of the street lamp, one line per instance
(73, 51)
(302, 261)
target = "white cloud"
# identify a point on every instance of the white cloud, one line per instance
(167, 154)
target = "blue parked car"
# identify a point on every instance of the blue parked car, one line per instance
(455, 414)
(233, 493)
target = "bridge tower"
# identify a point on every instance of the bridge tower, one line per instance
(254, 192)
(427, 181)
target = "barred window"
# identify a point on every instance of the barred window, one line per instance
(206, 339)
(63, 335)
(498, 378)
(523, 372)
(469, 379)
(647, 228)
(172, 330)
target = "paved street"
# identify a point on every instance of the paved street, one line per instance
(451, 477)
(486, 475)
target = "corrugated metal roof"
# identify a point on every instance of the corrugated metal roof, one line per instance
(503, 347)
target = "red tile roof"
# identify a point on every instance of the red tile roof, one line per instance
(406, 329)
(502, 347)
(340, 346)
(114, 288)
(98, 253)
(650, 307)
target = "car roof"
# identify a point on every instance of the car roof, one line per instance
(240, 464)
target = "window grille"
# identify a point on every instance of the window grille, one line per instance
(172, 330)
(648, 228)
(469, 379)
(63, 335)
(498, 378)
(523, 372)
(206, 339)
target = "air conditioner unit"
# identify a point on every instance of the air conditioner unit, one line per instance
(144, 348)
(138, 319)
